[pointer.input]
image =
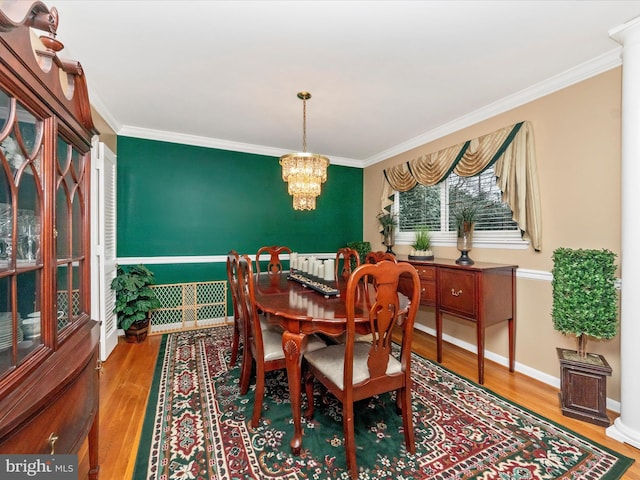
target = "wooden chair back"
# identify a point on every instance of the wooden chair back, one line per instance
(263, 344)
(367, 369)
(378, 256)
(350, 261)
(375, 257)
(232, 278)
(274, 252)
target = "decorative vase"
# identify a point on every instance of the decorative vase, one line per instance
(465, 243)
(388, 238)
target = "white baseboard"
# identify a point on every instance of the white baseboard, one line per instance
(612, 405)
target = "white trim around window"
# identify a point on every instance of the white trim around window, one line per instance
(506, 240)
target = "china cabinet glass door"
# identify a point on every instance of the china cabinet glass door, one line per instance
(71, 173)
(21, 201)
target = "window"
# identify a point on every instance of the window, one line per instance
(433, 206)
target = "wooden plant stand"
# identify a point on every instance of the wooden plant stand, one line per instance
(583, 386)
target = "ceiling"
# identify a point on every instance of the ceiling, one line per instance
(385, 76)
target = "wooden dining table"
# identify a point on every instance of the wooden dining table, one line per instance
(302, 311)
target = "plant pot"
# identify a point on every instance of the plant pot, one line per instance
(583, 386)
(422, 255)
(137, 332)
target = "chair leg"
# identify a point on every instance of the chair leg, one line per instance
(235, 344)
(257, 404)
(407, 419)
(245, 371)
(349, 439)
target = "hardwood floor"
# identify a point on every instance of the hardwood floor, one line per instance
(129, 370)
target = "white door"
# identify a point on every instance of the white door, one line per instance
(103, 239)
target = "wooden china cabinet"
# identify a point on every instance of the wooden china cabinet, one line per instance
(49, 362)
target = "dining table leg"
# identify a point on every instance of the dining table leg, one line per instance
(293, 344)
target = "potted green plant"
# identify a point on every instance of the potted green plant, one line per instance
(422, 245)
(388, 223)
(134, 300)
(465, 219)
(585, 304)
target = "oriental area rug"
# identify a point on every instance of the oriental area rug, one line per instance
(196, 428)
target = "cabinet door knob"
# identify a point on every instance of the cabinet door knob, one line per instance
(455, 293)
(53, 438)
(99, 367)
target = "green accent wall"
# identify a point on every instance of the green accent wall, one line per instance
(184, 200)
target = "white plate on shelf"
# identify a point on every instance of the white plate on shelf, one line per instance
(25, 263)
(7, 340)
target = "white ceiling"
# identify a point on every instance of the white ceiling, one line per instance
(385, 75)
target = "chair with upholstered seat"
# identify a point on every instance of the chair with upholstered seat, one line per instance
(232, 277)
(350, 261)
(354, 370)
(378, 256)
(263, 343)
(274, 252)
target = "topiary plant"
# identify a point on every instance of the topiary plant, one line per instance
(584, 294)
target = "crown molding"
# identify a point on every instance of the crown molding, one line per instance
(149, 134)
(565, 79)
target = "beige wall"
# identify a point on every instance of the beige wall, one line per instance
(577, 138)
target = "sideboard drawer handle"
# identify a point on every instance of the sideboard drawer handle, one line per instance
(454, 293)
(53, 438)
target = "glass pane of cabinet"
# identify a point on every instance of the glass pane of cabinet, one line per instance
(29, 323)
(21, 203)
(7, 329)
(71, 167)
(62, 297)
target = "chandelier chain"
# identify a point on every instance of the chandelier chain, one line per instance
(304, 124)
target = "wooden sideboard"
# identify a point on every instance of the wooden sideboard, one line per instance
(482, 293)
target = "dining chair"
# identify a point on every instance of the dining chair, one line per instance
(232, 278)
(354, 370)
(351, 261)
(263, 343)
(274, 251)
(378, 256)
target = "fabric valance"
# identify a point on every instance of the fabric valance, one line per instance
(510, 150)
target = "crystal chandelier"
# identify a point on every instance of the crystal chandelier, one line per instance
(304, 172)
